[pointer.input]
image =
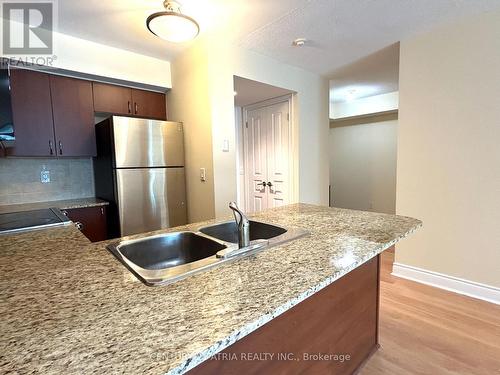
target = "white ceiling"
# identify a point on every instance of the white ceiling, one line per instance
(122, 23)
(374, 74)
(343, 31)
(339, 31)
(251, 92)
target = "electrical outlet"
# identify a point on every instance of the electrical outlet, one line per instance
(45, 176)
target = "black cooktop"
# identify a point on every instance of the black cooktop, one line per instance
(28, 220)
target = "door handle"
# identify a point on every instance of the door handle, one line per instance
(60, 148)
(51, 150)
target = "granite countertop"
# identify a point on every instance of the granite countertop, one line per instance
(63, 205)
(69, 305)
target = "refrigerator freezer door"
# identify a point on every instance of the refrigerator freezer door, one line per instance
(176, 195)
(150, 199)
(141, 143)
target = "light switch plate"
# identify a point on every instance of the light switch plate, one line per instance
(203, 174)
(225, 145)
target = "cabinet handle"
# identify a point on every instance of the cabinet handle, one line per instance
(51, 150)
(129, 107)
(136, 108)
(102, 211)
(60, 148)
(270, 184)
(79, 225)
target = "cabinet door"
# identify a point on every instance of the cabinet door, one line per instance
(32, 114)
(112, 99)
(73, 111)
(149, 104)
(91, 220)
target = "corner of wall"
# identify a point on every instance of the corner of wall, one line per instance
(189, 102)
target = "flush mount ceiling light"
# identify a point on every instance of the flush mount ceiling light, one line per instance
(172, 25)
(299, 42)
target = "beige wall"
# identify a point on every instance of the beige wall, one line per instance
(88, 57)
(240, 157)
(363, 166)
(202, 90)
(189, 102)
(310, 113)
(449, 149)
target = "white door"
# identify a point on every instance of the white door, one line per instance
(256, 164)
(267, 155)
(278, 155)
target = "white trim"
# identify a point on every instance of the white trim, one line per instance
(268, 102)
(454, 284)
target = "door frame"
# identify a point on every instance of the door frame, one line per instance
(292, 145)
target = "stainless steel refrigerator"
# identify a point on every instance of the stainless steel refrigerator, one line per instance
(139, 169)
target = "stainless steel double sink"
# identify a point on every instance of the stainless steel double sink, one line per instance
(165, 258)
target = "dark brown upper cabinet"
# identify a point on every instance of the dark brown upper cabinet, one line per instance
(149, 104)
(52, 115)
(119, 100)
(32, 114)
(112, 99)
(73, 113)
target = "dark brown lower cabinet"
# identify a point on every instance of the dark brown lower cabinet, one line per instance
(92, 221)
(332, 332)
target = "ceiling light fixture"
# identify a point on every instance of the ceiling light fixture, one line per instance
(299, 42)
(172, 25)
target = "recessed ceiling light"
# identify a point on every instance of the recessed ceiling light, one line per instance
(299, 42)
(172, 25)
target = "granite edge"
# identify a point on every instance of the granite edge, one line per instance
(67, 204)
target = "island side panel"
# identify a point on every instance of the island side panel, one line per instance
(341, 319)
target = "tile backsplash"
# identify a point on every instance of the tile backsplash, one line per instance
(69, 179)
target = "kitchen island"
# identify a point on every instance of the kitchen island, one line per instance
(69, 306)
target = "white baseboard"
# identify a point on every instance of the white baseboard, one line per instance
(454, 284)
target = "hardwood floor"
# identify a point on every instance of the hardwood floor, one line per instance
(425, 330)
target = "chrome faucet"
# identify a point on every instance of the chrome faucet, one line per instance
(243, 226)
